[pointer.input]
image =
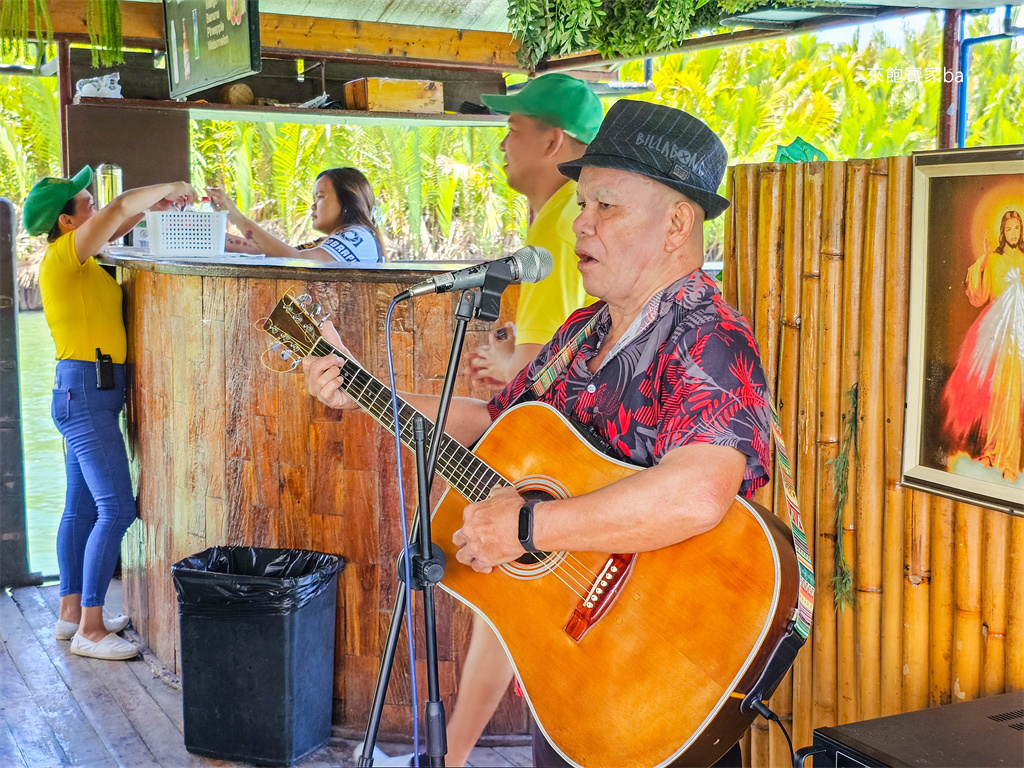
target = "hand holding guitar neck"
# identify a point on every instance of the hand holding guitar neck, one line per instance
(323, 374)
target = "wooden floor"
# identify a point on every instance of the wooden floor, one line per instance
(57, 709)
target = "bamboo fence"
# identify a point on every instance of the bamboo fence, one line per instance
(817, 258)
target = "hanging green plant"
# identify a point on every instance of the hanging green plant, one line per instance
(547, 28)
(14, 40)
(842, 579)
(103, 20)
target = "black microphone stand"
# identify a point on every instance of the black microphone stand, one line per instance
(427, 561)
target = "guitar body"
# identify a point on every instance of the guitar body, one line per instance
(649, 682)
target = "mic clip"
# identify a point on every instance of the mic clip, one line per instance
(498, 278)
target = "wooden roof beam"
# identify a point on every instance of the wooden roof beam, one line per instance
(319, 38)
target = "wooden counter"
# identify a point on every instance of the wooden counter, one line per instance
(228, 452)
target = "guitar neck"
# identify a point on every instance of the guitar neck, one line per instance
(456, 464)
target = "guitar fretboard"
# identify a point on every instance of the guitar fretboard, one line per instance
(460, 468)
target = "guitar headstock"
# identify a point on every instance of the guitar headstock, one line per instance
(295, 324)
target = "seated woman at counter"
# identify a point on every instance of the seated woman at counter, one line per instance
(82, 304)
(342, 209)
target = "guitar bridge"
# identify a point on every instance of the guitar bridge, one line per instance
(603, 591)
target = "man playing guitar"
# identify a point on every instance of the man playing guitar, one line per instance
(660, 369)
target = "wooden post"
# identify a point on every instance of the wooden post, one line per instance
(729, 265)
(786, 399)
(869, 510)
(1015, 607)
(941, 604)
(996, 533)
(897, 264)
(830, 333)
(967, 621)
(850, 662)
(952, 37)
(917, 557)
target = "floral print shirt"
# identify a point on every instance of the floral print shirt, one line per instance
(687, 371)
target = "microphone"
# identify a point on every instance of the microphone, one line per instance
(527, 265)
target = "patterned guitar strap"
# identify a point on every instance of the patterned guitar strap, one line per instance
(558, 364)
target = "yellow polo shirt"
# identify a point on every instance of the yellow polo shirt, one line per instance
(82, 304)
(544, 306)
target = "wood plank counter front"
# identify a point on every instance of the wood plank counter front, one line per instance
(229, 452)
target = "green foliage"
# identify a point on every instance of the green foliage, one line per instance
(14, 42)
(29, 133)
(440, 190)
(103, 20)
(842, 575)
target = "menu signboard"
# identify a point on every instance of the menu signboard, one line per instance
(210, 42)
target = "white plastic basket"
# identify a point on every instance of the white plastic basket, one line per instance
(173, 233)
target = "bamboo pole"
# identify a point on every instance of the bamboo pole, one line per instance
(941, 604)
(827, 408)
(871, 446)
(1015, 608)
(759, 744)
(807, 267)
(745, 229)
(729, 268)
(996, 532)
(768, 280)
(967, 620)
(915, 636)
(787, 397)
(768, 296)
(850, 662)
(897, 263)
(745, 220)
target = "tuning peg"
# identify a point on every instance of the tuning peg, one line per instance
(314, 309)
(275, 346)
(286, 354)
(305, 299)
(322, 320)
(295, 364)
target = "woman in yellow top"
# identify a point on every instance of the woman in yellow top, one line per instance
(82, 304)
(984, 397)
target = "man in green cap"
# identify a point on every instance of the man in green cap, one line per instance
(551, 120)
(552, 117)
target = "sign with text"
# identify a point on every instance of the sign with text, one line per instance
(210, 42)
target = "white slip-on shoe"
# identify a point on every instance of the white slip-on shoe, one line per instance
(111, 648)
(65, 630)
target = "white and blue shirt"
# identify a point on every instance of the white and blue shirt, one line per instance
(355, 245)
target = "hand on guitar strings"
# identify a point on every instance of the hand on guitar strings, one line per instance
(323, 374)
(489, 535)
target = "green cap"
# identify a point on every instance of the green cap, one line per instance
(48, 197)
(558, 100)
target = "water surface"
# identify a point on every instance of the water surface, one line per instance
(44, 455)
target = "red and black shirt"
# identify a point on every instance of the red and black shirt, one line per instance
(687, 371)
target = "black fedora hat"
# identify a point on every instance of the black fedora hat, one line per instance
(661, 143)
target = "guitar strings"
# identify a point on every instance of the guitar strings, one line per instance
(572, 572)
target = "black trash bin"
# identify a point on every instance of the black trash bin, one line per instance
(257, 651)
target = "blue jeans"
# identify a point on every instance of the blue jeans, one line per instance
(99, 505)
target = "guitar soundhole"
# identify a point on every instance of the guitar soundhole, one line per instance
(532, 558)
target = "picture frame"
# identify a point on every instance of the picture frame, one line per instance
(963, 430)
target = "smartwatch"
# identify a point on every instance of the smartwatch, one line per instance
(526, 525)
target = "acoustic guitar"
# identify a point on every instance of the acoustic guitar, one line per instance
(625, 659)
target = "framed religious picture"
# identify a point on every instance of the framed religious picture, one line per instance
(964, 429)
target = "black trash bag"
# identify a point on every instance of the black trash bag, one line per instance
(251, 579)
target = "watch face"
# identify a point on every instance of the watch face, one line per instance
(525, 520)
